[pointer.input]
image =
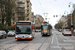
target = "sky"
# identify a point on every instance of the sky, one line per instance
(52, 7)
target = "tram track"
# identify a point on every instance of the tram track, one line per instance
(43, 43)
(37, 41)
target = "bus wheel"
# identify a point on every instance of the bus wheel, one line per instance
(42, 35)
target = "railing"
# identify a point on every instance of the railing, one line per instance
(21, 5)
(21, 1)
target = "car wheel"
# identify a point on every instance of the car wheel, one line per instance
(2, 37)
(5, 36)
(41, 34)
(70, 35)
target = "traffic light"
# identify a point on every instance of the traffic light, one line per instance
(56, 15)
(53, 15)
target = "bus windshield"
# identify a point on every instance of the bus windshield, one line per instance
(23, 29)
(44, 27)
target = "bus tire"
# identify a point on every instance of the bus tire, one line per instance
(42, 35)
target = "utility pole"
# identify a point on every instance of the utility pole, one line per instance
(71, 18)
(74, 20)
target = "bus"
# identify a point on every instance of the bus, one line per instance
(46, 29)
(24, 30)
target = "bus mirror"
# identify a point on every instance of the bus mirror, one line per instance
(13, 25)
(32, 27)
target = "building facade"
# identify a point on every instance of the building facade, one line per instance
(38, 20)
(64, 20)
(22, 11)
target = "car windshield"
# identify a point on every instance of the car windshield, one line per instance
(0, 31)
(67, 30)
(25, 29)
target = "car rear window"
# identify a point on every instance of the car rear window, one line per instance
(0, 31)
(67, 30)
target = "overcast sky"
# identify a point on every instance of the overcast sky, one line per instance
(52, 7)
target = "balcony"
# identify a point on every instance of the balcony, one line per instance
(21, 6)
(27, 4)
(21, 2)
(21, 15)
(22, 11)
(27, 12)
(28, 8)
(28, 0)
(20, 18)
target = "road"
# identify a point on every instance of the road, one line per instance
(54, 42)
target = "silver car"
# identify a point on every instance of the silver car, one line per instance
(3, 34)
(66, 32)
(11, 33)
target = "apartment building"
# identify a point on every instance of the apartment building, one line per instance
(64, 20)
(23, 10)
(38, 20)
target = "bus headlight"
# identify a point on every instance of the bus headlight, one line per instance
(30, 36)
(16, 36)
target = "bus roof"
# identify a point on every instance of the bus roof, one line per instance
(23, 21)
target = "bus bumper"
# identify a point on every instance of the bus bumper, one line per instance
(23, 37)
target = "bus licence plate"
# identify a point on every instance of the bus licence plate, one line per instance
(23, 38)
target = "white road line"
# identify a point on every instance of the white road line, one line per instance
(58, 43)
(69, 40)
(52, 39)
(55, 37)
(8, 41)
(66, 37)
(65, 44)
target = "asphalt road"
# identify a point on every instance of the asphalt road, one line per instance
(54, 42)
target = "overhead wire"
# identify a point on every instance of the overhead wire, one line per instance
(41, 5)
(45, 14)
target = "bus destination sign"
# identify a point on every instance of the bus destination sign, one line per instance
(23, 23)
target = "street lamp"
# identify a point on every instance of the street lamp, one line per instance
(71, 13)
(71, 18)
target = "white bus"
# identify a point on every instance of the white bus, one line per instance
(24, 30)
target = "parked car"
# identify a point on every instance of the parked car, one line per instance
(60, 30)
(66, 32)
(3, 34)
(38, 30)
(11, 33)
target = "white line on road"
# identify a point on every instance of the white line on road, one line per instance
(8, 41)
(52, 39)
(69, 40)
(66, 37)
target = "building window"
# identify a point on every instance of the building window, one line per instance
(21, 5)
(21, 0)
(21, 18)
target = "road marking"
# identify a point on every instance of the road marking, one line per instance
(8, 41)
(66, 38)
(65, 44)
(52, 39)
(69, 40)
